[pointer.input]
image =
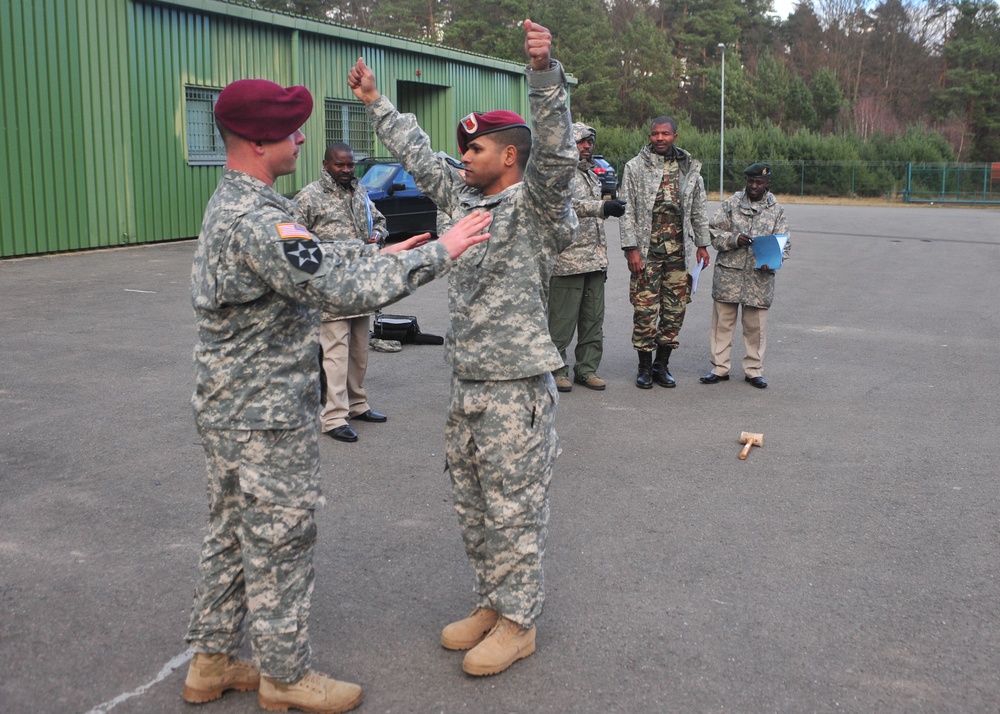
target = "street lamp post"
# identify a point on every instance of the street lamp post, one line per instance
(722, 118)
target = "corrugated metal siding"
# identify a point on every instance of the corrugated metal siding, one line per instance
(170, 49)
(93, 146)
(65, 167)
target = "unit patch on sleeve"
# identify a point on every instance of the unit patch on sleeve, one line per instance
(304, 255)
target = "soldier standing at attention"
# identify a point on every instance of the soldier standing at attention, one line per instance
(738, 281)
(500, 433)
(337, 208)
(664, 233)
(258, 284)
(576, 294)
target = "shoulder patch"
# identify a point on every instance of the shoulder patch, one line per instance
(304, 255)
(292, 231)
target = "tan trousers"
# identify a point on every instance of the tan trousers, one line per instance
(345, 362)
(754, 338)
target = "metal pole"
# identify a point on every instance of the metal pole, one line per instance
(722, 120)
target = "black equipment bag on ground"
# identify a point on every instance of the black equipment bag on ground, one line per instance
(402, 328)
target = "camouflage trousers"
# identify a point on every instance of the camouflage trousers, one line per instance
(501, 450)
(659, 296)
(576, 304)
(256, 561)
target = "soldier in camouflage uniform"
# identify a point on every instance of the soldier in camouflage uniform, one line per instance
(337, 208)
(501, 439)
(664, 235)
(738, 281)
(258, 284)
(576, 294)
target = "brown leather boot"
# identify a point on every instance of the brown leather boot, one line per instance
(315, 693)
(466, 634)
(209, 675)
(506, 644)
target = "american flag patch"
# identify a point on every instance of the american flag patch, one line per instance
(293, 230)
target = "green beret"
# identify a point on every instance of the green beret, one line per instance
(758, 169)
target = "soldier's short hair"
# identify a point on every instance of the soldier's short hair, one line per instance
(519, 137)
(659, 121)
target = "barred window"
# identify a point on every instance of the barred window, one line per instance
(204, 144)
(347, 122)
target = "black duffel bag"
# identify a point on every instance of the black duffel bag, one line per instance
(402, 328)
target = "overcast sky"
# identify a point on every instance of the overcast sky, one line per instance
(784, 7)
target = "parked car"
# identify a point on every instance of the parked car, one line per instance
(395, 194)
(606, 173)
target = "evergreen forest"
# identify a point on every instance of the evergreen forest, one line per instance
(838, 80)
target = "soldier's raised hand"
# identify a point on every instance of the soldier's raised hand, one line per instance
(537, 44)
(361, 80)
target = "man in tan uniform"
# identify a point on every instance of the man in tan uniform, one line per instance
(337, 208)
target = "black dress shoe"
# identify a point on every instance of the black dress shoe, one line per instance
(343, 433)
(758, 382)
(712, 378)
(372, 416)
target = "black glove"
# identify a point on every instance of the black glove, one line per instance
(614, 208)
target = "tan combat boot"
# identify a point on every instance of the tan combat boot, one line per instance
(209, 675)
(315, 693)
(466, 634)
(506, 644)
(592, 381)
(563, 384)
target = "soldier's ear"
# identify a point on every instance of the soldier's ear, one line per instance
(510, 155)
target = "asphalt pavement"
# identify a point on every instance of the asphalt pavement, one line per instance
(849, 565)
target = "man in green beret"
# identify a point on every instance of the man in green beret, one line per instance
(738, 282)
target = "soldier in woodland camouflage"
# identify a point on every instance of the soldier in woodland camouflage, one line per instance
(501, 440)
(337, 208)
(258, 284)
(664, 234)
(738, 281)
(576, 294)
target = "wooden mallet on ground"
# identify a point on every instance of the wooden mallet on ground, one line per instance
(750, 439)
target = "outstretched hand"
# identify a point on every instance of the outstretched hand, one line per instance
(361, 80)
(537, 44)
(466, 233)
(408, 244)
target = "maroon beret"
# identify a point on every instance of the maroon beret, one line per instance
(476, 124)
(260, 110)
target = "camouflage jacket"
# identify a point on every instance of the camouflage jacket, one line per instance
(736, 277)
(332, 212)
(497, 290)
(258, 283)
(589, 251)
(640, 183)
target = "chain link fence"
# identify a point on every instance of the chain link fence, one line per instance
(895, 181)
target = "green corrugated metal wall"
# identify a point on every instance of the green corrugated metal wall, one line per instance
(93, 118)
(65, 172)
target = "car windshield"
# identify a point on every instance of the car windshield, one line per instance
(379, 176)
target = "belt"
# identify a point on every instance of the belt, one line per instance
(666, 217)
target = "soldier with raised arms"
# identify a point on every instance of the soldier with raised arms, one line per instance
(501, 442)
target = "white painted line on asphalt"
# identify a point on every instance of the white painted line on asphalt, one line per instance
(164, 673)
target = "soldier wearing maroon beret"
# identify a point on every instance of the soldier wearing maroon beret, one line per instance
(501, 442)
(258, 284)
